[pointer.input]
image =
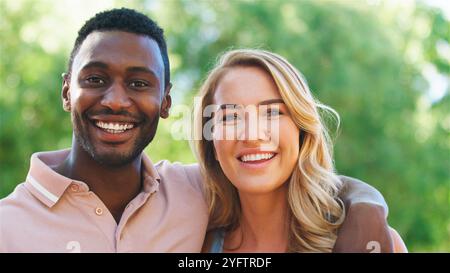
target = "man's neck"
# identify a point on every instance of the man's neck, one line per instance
(115, 186)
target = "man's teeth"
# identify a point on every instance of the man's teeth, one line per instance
(255, 157)
(114, 127)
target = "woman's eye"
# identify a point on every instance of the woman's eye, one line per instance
(138, 84)
(273, 112)
(230, 117)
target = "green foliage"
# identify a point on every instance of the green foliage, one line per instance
(31, 118)
(355, 57)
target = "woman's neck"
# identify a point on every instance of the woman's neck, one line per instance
(264, 223)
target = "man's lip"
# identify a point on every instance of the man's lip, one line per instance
(112, 138)
(114, 119)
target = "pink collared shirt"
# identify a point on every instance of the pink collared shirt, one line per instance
(52, 213)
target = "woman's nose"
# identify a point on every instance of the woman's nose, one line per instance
(254, 127)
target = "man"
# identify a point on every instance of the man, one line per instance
(104, 194)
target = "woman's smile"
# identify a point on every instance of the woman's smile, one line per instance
(256, 160)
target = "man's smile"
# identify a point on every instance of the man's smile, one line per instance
(114, 129)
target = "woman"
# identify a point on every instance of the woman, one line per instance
(268, 164)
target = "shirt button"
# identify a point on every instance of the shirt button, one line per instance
(74, 187)
(98, 211)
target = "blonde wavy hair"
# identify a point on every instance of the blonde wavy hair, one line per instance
(315, 210)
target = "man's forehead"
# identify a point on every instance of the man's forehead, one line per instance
(119, 48)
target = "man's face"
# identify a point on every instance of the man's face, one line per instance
(116, 95)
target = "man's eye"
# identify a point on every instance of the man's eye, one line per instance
(95, 80)
(138, 84)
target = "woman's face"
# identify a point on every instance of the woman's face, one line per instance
(256, 142)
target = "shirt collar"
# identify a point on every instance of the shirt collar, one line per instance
(151, 177)
(48, 186)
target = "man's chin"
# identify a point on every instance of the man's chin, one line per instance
(114, 159)
(113, 155)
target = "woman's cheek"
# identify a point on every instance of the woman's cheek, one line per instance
(224, 154)
(220, 150)
(289, 139)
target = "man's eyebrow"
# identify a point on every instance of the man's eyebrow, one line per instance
(103, 65)
(142, 69)
(95, 64)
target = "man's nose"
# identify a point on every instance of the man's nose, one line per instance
(116, 97)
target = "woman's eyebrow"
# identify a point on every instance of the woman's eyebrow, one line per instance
(266, 102)
(229, 106)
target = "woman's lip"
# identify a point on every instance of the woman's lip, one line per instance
(255, 151)
(258, 152)
(258, 164)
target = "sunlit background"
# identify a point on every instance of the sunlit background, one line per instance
(383, 65)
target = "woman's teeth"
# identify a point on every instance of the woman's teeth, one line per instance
(256, 157)
(114, 128)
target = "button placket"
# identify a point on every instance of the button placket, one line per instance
(99, 211)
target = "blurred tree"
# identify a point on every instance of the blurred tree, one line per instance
(31, 117)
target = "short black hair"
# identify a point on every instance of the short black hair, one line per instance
(126, 20)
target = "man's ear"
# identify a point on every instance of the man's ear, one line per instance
(167, 102)
(65, 92)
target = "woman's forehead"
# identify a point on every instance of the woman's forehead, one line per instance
(245, 86)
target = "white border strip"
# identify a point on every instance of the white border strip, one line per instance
(42, 190)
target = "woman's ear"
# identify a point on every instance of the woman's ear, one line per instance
(167, 102)
(65, 92)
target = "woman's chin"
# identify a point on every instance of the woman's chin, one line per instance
(258, 185)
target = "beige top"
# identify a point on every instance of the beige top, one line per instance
(52, 213)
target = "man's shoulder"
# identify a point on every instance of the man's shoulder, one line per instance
(16, 202)
(15, 210)
(167, 167)
(349, 179)
(349, 182)
(177, 172)
(15, 197)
